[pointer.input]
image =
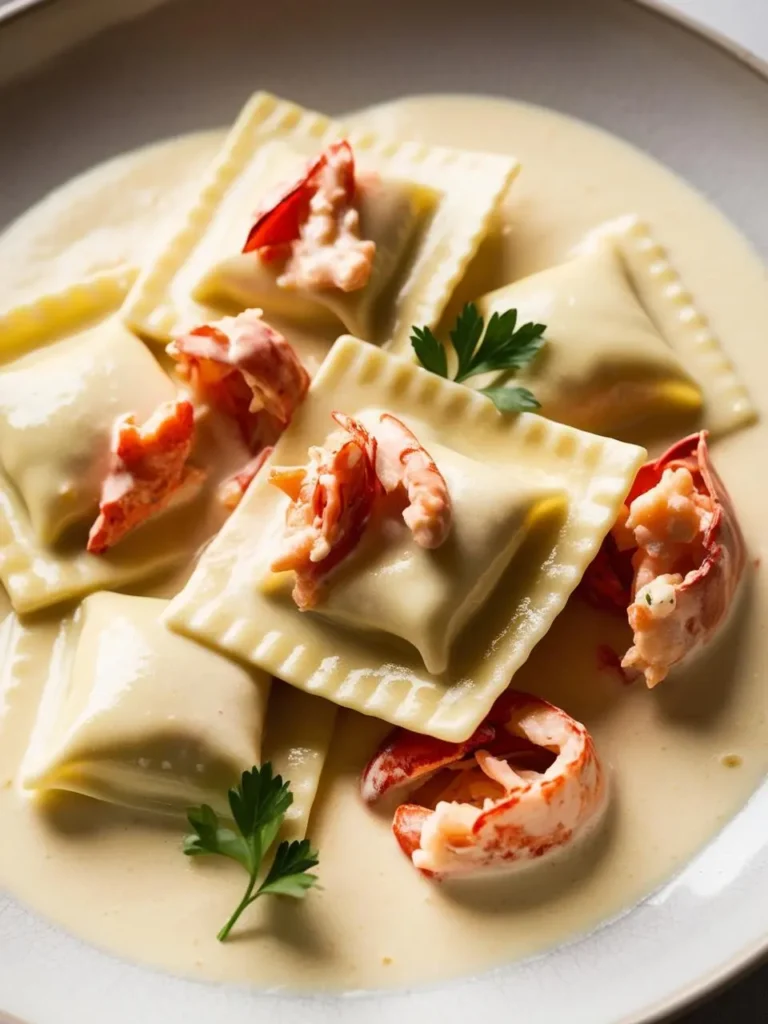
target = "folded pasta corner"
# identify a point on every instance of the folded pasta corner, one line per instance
(605, 365)
(134, 715)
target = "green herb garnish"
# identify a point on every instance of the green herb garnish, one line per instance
(648, 599)
(503, 346)
(258, 807)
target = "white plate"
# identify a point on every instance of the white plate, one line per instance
(679, 97)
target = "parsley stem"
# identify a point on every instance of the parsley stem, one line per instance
(258, 805)
(244, 902)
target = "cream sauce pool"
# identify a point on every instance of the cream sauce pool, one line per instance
(684, 757)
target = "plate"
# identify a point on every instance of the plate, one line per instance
(175, 68)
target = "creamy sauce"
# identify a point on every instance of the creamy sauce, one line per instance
(685, 757)
(108, 217)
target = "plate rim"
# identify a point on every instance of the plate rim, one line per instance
(17, 9)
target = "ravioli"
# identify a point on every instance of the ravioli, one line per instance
(297, 739)
(426, 209)
(492, 516)
(680, 319)
(604, 366)
(58, 406)
(134, 715)
(74, 375)
(57, 312)
(391, 212)
(529, 538)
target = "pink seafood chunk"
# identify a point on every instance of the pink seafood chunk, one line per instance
(332, 498)
(313, 227)
(331, 501)
(245, 369)
(402, 461)
(148, 470)
(679, 534)
(526, 784)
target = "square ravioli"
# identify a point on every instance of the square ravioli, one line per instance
(558, 494)
(680, 320)
(425, 209)
(58, 405)
(133, 714)
(392, 213)
(604, 365)
(491, 518)
(64, 387)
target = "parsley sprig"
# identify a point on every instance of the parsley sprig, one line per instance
(504, 346)
(258, 808)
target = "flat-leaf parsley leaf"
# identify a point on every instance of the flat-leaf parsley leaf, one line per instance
(258, 806)
(503, 347)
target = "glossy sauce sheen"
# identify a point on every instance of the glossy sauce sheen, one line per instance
(119, 879)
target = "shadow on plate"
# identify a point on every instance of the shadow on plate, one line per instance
(539, 885)
(70, 814)
(697, 694)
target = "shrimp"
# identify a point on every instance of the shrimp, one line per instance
(247, 370)
(314, 227)
(526, 784)
(680, 530)
(401, 461)
(331, 500)
(232, 490)
(148, 472)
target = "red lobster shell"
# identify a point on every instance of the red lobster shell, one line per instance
(707, 591)
(280, 224)
(558, 796)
